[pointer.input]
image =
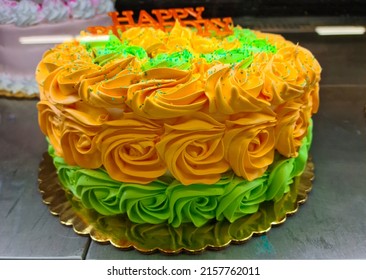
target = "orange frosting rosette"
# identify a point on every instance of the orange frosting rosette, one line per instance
(156, 41)
(306, 61)
(314, 98)
(293, 122)
(150, 38)
(231, 90)
(288, 75)
(310, 100)
(193, 150)
(62, 85)
(179, 38)
(50, 119)
(107, 86)
(60, 55)
(166, 93)
(82, 123)
(128, 149)
(249, 143)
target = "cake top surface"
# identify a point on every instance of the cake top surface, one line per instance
(179, 47)
(164, 65)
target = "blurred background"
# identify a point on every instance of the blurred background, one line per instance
(268, 15)
(234, 8)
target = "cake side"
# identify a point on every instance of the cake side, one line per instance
(219, 115)
(167, 200)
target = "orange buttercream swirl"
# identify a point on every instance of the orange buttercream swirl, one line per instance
(314, 98)
(107, 86)
(289, 74)
(231, 90)
(50, 119)
(178, 39)
(78, 140)
(293, 122)
(62, 85)
(166, 93)
(193, 150)
(150, 39)
(181, 38)
(309, 64)
(249, 143)
(60, 55)
(128, 149)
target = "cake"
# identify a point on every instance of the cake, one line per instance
(165, 125)
(46, 20)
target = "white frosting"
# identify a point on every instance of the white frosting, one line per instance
(27, 13)
(103, 6)
(32, 12)
(82, 9)
(55, 10)
(15, 83)
(7, 11)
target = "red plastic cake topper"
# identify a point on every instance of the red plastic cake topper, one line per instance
(165, 19)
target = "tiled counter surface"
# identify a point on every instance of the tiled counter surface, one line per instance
(330, 225)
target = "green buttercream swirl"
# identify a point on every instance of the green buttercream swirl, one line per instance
(113, 48)
(168, 201)
(145, 203)
(241, 198)
(249, 45)
(180, 60)
(195, 203)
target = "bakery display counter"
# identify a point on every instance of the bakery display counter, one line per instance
(330, 225)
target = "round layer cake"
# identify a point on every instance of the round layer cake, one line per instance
(172, 127)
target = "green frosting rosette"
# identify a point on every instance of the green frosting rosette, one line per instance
(145, 203)
(97, 191)
(195, 203)
(241, 198)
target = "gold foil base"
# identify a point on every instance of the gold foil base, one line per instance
(147, 238)
(18, 95)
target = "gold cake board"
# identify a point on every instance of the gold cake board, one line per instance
(18, 95)
(147, 238)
